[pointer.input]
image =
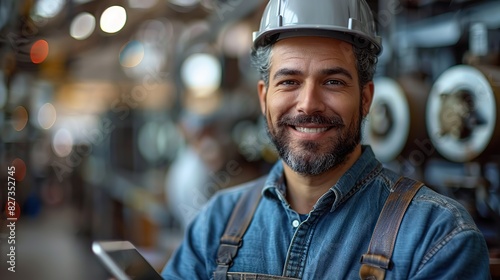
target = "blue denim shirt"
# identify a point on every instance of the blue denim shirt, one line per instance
(437, 238)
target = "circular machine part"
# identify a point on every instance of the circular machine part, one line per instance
(388, 123)
(461, 112)
(393, 127)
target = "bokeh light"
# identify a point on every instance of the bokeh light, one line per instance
(201, 73)
(20, 166)
(62, 142)
(39, 51)
(185, 3)
(19, 118)
(113, 19)
(82, 26)
(132, 54)
(48, 8)
(47, 116)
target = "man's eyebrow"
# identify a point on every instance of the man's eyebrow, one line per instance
(326, 72)
(286, 72)
(335, 71)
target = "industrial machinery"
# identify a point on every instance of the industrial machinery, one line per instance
(435, 114)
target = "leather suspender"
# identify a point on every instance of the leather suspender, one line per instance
(378, 258)
(374, 263)
(235, 229)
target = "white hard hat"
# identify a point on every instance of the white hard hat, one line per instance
(347, 20)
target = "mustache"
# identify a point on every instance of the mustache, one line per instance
(334, 121)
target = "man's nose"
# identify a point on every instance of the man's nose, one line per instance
(310, 100)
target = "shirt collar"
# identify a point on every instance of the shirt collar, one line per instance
(275, 182)
(359, 174)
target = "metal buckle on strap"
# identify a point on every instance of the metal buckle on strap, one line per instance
(376, 260)
(373, 267)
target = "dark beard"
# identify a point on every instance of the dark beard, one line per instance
(307, 159)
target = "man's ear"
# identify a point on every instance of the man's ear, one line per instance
(367, 99)
(262, 90)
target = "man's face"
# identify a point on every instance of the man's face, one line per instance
(313, 104)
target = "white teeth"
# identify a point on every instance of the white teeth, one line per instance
(311, 130)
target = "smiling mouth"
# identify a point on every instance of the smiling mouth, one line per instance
(311, 129)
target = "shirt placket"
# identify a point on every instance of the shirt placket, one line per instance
(299, 245)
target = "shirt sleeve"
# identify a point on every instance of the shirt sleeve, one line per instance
(461, 255)
(196, 255)
(188, 261)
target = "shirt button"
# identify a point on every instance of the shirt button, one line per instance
(295, 223)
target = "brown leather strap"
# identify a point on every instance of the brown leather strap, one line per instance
(378, 258)
(238, 223)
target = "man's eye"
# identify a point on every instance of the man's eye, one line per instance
(334, 82)
(288, 83)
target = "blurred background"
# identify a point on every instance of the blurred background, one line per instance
(123, 117)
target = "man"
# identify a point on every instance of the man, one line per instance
(320, 203)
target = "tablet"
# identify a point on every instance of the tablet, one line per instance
(124, 261)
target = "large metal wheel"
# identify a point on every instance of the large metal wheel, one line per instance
(462, 112)
(394, 127)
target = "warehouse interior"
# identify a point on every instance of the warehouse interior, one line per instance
(123, 117)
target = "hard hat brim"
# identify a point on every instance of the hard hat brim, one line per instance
(353, 37)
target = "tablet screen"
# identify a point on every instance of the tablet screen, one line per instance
(133, 264)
